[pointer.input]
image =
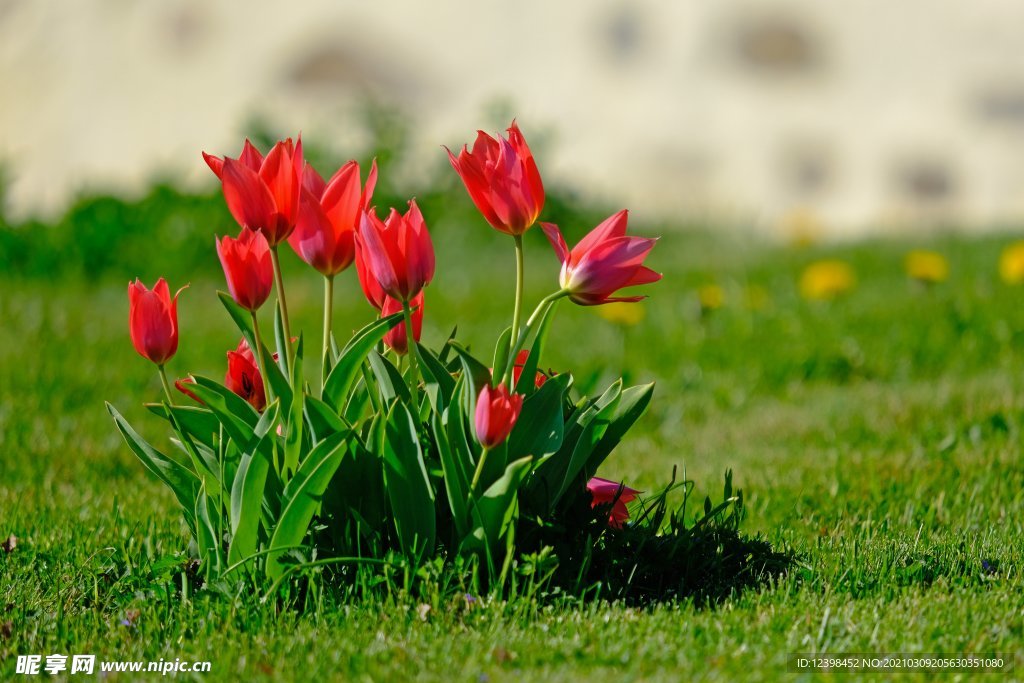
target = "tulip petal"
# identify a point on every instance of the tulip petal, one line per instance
(216, 164)
(554, 236)
(613, 226)
(247, 197)
(251, 156)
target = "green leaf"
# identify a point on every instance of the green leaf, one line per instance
(184, 484)
(477, 376)
(540, 427)
(501, 351)
(294, 424)
(493, 513)
(206, 536)
(527, 383)
(594, 429)
(201, 424)
(302, 497)
(234, 412)
(456, 477)
(390, 382)
(631, 406)
(322, 419)
(283, 345)
(344, 374)
(440, 385)
(408, 484)
(248, 489)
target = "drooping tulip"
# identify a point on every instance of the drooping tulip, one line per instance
(603, 262)
(243, 376)
(263, 193)
(247, 267)
(397, 338)
(398, 252)
(502, 180)
(604, 491)
(329, 215)
(496, 414)
(153, 320)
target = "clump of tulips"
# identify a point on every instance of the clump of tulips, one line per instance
(396, 448)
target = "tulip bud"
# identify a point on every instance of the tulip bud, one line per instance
(247, 267)
(153, 320)
(496, 414)
(603, 262)
(502, 180)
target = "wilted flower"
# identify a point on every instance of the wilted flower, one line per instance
(153, 320)
(604, 491)
(1011, 263)
(929, 267)
(502, 179)
(603, 262)
(828, 279)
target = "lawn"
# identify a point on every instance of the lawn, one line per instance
(876, 437)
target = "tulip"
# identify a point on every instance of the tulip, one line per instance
(243, 376)
(603, 262)
(398, 252)
(247, 268)
(262, 193)
(329, 215)
(605, 492)
(397, 337)
(371, 288)
(517, 370)
(502, 180)
(153, 320)
(496, 414)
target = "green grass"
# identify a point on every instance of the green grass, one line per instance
(876, 436)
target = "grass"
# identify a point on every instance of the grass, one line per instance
(877, 437)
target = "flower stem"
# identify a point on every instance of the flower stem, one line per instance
(479, 469)
(260, 359)
(414, 380)
(328, 311)
(518, 310)
(537, 314)
(167, 385)
(279, 284)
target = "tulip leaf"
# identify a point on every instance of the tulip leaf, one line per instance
(527, 383)
(294, 423)
(493, 513)
(632, 405)
(248, 487)
(390, 382)
(283, 344)
(456, 479)
(344, 373)
(237, 416)
(243, 319)
(201, 424)
(322, 419)
(302, 497)
(440, 385)
(408, 485)
(596, 424)
(477, 377)
(184, 484)
(501, 359)
(540, 427)
(206, 536)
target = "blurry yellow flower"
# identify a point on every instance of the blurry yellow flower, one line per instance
(1011, 264)
(711, 297)
(622, 313)
(826, 280)
(802, 227)
(926, 266)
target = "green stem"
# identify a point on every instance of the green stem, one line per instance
(410, 337)
(479, 470)
(261, 359)
(518, 310)
(328, 310)
(279, 285)
(537, 314)
(167, 385)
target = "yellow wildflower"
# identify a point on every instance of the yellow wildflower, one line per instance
(1011, 263)
(711, 297)
(826, 280)
(929, 267)
(622, 313)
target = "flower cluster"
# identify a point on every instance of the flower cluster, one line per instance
(268, 454)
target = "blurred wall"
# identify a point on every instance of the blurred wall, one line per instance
(785, 116)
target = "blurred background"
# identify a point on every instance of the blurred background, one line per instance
(787, 117)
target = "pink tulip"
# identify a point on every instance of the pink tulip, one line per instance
(496, 414)
(398, 252)
(502, 179)
(329, 215)
(604, 261)
(603, 492)
(263, 193)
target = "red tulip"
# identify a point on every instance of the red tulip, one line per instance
(182, 386)
(603, 492)
(396, 338)
(329, 215)
(398, 252)
(247, 268)
(153, 320)
(502, 179)
(496, 414)
(263, 193)
(244, 378)
(517, 370)
(371, 288)
(604, 261)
